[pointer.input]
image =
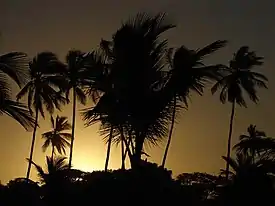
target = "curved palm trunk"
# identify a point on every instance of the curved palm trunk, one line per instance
(108, 149)
(170, 133)
(229, 139)
(33, 142)
(122, 156)
(73, 128)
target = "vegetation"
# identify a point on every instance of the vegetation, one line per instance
(137, 86)
(57, 138)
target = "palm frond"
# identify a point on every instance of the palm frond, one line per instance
(39, 169)
(80, 94)
(46, 143)
(24, 90)
(15, 65)
(233, 164)
(5, 88)
(52, 121)
(211, 48)
(19, 112)
(67, 136)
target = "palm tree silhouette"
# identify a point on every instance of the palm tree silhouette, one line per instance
(256, 144)
(239, 77)
(188, 72)
(148, 114)
(251, 180)
(107, 113)
(136, 53)
(76, 75)
(57, 137)
(40, 90)
(244, 145)
(14, 66)
(54, 166)
(98, 87)
(54, 179)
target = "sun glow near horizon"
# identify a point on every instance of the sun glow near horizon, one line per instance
(87, 164)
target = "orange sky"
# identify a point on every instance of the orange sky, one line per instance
(200, 137)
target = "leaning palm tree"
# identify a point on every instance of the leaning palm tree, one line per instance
(14, 66)
(245, 145)
(188, 73)
(40, 90)
(76, 75)
(239, 77)
(58, 138)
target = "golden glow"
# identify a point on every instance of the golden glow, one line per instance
(200, 137)
(87, 164)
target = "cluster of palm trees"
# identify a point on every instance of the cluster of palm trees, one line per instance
(136, 82)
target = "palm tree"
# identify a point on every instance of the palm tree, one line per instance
(97, 85)
(136, 53)
(254, 135)
(14, 66)
(57, 137)
(256, 144)
(188, 73)
(251, 180)
(54, 180)
(239, 77)
(40, 90)
(54, 166)
(110, 117)
(138, 47)
(76, 75)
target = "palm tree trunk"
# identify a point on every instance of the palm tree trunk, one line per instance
(52, 151)
(127, 150)
(122, 155)
(109, 149)
(73, 128)
(139, 141)
(229, 139)
(170, 133)
(33, 142)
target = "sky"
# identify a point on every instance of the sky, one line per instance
(200, 136)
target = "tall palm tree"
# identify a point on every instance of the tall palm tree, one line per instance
(254, 135)
(14, 66)
(57, 137)
(40, 90)
(188, 73)
(239, 77)
(76, 75)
